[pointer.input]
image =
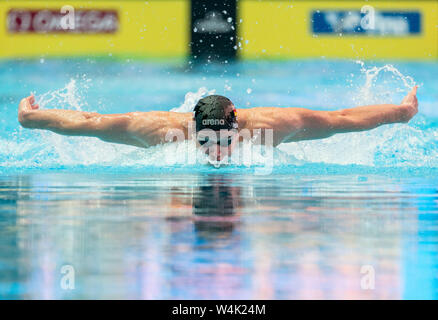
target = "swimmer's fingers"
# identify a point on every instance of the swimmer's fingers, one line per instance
(410, 103)
(32, 102)
(414, 97)
(26, 105)
(411, 97)
(414, 90)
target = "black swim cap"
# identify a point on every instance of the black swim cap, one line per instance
(211, 113)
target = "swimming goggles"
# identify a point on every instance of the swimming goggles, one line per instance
(209, 141)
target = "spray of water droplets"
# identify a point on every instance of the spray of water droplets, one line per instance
(399, 145)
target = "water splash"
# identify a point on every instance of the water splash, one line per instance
(192, 98)
(69, 96)
(402, 145)
(374, 91)
(45, 149)
(391, 145)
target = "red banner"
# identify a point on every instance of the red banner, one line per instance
(52, 21)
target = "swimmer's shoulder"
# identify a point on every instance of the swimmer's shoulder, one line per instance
(257, 117)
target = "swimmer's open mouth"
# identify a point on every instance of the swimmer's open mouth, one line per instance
(218, 164)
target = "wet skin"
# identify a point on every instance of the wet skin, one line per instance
(145, 129)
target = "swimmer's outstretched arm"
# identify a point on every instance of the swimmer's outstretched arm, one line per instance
(295, 124)
(140, 129)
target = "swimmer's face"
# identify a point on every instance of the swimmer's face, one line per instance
(217, 145)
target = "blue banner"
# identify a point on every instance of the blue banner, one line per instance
(381, 23)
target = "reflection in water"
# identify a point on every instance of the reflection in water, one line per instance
(216, 198)
(215, 236)
(214, 207)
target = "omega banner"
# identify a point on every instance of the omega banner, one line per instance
(213, 30)
(62, 21)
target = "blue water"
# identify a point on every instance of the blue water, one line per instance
(131, 226)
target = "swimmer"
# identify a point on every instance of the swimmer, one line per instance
(215, 114)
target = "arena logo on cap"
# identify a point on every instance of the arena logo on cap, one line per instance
(51, 21)
(213, 122)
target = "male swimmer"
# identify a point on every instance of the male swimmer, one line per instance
(217, 124)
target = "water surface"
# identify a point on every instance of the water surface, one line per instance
(134, 227)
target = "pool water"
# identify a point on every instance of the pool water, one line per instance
(351, 216)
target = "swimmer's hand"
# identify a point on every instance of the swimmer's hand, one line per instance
(410, 103)
(26, 106)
